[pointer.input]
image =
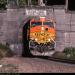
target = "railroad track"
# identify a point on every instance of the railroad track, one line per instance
(70, 61)
(32, 65)
(54, 59)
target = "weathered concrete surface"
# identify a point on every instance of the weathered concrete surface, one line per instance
(13, 20)
(3, 27)
(34, 65)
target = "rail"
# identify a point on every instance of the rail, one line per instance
(69, 61)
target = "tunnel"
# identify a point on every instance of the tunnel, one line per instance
(71, 5)
(29, 51)
(25, 40)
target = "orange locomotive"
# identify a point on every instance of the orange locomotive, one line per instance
(42, 35)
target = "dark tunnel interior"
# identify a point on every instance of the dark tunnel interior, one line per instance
(71, 5)
(54, 2)
(25, 51)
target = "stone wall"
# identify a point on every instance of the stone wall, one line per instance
(12, 21)
(3, 27)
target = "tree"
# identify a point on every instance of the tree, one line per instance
(27, 2)
(34, 2)
(22, 2)
(3, 4)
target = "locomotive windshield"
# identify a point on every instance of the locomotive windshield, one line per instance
(36, 23)
(50, 24)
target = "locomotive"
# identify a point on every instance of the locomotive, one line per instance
(41, 34)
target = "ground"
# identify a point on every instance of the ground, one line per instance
(34, 65)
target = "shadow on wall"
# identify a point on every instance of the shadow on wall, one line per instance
(71, 5)
(25, 40)
(54, 2)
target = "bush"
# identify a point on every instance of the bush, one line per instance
(70, 52)
(5, 51)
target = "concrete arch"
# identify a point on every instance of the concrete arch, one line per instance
(24, 42)
(13, 27)
(26, 20)
(22, 24)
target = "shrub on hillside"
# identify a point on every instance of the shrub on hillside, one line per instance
(70, 52)
(5, 51)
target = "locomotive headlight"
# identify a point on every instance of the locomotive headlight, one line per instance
(42, 28)
(49, 39)
(36, 39)
(33, 34)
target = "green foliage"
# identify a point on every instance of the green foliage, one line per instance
(34, 2)
(5, 51)
(70, 52)
(22, 2)
(3, 4)
(3, 1)
(25, 2)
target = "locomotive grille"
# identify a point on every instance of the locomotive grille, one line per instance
(42, 37)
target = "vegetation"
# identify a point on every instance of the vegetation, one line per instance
(5, 51)
(26, 2)
(68, 53)
(3, 4)
(22, 2)
(34, 2)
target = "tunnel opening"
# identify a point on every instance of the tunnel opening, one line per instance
(71, 5)
(25, 40)
(31, 48)
(54, 2)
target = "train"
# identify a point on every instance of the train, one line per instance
(41, 35)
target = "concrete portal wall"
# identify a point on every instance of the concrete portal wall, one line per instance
(12, 25)
(3, 27)
(12, 21)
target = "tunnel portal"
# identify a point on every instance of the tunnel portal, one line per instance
(25, 40)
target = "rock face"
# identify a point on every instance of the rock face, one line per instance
(13, 20)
